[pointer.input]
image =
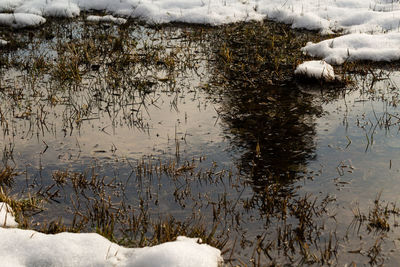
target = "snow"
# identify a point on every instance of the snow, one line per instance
(357, 46)
(3, 42)
(316, 69)
(182, 252)
(324, 15)
(20, 20)
(19, 247)
(108, 18)
(50, 8)
(6, 216)
(367, 23)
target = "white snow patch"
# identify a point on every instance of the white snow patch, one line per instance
(324, 15)
(6, 215)
(20, 247)
(54, 8)
(3, 43)
(20, 20)
(9, 5)
(357, 46)
(182, 252)
(108, 18)
(317, 69)
(30, 248)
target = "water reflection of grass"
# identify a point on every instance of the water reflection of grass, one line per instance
(92, 69)
(75, 72)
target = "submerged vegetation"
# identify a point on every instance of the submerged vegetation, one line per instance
(73, 93)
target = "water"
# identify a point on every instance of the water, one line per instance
(285, 147)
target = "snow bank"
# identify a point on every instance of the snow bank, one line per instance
(180, 253)
(316, 69)
(50, 8)
(6, 216)
(9, 5)
(30, 248)
(327, 16)
(352, 47)
(323, 15)
(107, 18)
(20, 247)
(20, 20)
(154, 11)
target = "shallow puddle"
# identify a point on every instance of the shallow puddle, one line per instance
(169, 143)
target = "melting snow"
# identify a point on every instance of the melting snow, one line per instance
(107, 18)
(20, 20)
(353, 17)
(357, 46)
(6, 216)
(316, 69)
(20, 247)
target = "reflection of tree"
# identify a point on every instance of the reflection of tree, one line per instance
(273, 125)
